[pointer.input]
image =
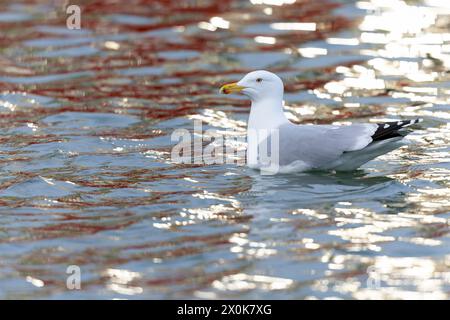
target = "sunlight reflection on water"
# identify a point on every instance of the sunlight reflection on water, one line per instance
(85, 151)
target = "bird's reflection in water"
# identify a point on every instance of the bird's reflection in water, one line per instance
(289, 191)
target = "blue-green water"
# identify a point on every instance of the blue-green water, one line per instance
(86, 176)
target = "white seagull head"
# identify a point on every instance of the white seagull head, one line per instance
(257, 85)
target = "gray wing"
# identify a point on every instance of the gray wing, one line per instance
(319, 145)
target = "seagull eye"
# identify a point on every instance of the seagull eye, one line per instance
(259, 80)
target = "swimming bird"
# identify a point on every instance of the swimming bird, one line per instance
(276, 145)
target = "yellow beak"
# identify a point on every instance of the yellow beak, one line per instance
(231, 88)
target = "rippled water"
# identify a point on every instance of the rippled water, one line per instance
(86, 177)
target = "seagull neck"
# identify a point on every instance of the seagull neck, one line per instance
(267, 115)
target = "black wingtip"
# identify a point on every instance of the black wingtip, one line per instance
(414, 121)
(389, 130)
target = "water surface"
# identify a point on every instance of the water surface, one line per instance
(86, 118)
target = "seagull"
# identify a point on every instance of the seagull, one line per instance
(276, 145)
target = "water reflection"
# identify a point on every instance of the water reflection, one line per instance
(86, 119)
(311, 188)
